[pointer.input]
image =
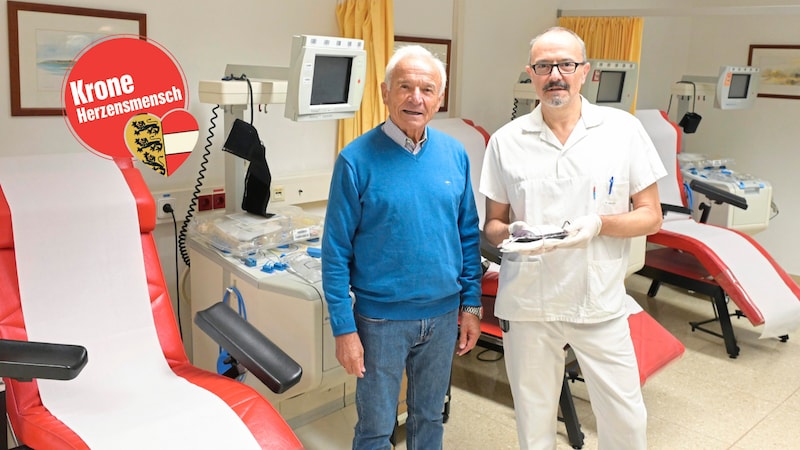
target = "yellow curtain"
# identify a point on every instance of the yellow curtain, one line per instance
(609, 38)
(373, 22)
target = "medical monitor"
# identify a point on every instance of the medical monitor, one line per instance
(736, 87)
(611, 83)
(326, 78)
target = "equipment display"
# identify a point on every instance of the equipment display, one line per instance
(735, 87)
(611, 83)
(326, 78)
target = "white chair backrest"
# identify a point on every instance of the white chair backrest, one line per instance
(665, 137)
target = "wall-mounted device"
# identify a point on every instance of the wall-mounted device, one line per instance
(611, 83)
(326, 78)
(735, 87)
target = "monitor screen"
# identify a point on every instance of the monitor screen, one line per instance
(326, 78)
(739, 85)
(609, 89)
(611, 83)
(331, 84)
(736, 87)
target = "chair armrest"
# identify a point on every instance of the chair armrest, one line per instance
(24, 361)
(665, 208)
(277, 370)
(489, 251)
(718, 195)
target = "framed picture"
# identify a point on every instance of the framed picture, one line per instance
(440, 48)
(780, 69)
(43, 41)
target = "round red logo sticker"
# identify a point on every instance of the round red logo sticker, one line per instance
(126, 96)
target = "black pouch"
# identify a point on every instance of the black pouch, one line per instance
(690, 122)
(243, 141)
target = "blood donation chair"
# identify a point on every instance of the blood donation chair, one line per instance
(28, 366)
(721, 263)
(655, 347)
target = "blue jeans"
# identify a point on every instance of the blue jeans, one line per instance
(424, 348)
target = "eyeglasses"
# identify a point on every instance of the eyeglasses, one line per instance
(565, 68)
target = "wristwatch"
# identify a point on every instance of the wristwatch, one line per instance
(474, 310)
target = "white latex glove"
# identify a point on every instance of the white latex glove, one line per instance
(581, 231)
(521, 229)
(517, 227)
(525, 248)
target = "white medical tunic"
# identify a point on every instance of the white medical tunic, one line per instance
(607, 158)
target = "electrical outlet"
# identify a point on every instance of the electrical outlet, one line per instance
(218, 199)
(162, 203)
(277, 194)
(205, 202)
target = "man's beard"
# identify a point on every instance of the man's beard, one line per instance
(559, 99)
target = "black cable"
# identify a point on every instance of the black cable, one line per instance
(197, 186)
(669, 105)
(482, 358)
(514, 109)
(201, 172)
(168, 208)
(250, 91)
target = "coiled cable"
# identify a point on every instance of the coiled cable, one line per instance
(197, 186)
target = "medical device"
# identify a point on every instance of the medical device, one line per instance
(524, 96)
(326, 78)
(735, 87)
(756, 193)
(611, 83)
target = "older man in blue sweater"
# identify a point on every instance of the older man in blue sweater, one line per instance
(401, 234)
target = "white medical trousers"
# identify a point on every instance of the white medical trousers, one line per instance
(534, 355)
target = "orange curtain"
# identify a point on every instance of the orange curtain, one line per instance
(609, 38)
(373, 22)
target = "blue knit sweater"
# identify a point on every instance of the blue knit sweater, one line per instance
(401, 231)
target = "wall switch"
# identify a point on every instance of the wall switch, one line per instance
(278, 194)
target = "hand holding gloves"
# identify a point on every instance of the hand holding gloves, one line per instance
(529, 240)
(581, 231)
(535, 240)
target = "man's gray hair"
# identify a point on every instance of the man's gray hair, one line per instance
(414, 51)
(562, 30)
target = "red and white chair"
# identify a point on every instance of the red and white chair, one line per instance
(166, 401)
(722, 263)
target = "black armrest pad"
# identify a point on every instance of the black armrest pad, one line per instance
(24, 361)
(718, 195)
(277, 370)
(489, 251)
(679, 209)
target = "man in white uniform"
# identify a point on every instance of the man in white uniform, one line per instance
(573, 164)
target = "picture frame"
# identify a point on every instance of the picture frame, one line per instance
(43, 41)
(440, 48)
(780, 70)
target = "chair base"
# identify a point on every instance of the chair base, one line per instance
(682, 270)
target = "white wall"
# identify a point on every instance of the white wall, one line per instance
(490, 48)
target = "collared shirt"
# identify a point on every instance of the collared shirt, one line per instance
(607, 158)
(397, 135)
